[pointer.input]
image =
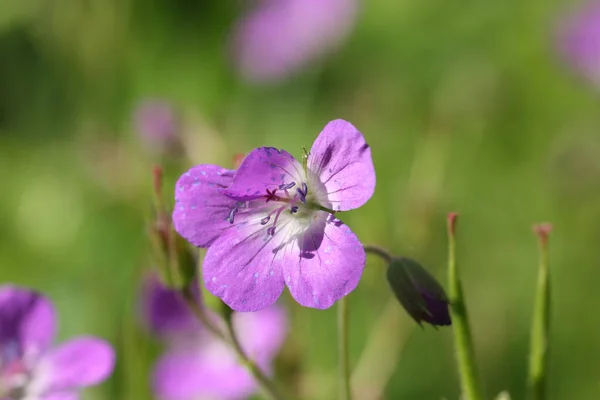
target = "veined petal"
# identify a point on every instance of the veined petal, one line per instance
(203, 372)
(201, 210)
(329, 263)
(27, 320)
(341, 159)
(262, 333)
(264, 168)
(243, 266)
(77, 363)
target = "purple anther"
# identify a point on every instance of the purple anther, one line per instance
(286, 186)
(265, 220)
(271, 231)
(302, 192)
(231, 215)
(294, 210)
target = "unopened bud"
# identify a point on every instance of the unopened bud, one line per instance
(418, 292)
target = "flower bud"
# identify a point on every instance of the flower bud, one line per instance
(419, 293)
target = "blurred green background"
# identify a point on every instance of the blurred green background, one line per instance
(465, 104)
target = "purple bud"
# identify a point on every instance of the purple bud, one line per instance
(157, 125)
(419, 293)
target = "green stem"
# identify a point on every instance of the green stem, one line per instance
(344, 362)
(462, 334)
(380, 252)
(538, 353)
(263, 380)
(231, 338)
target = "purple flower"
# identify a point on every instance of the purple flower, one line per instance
(199, 365)
(157, 126)
(281, 36)
(272, 223)
(29, 368)
(579, 41)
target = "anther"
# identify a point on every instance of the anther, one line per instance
(294, 210)
(271, 231)
(265, 220)
(302, 192)
(231, 215)
(286, 186)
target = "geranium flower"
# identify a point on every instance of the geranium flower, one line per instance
(156, 123)
(29, 368)
(198, 365)
(279, 37)
(579, 41)
(273, 222)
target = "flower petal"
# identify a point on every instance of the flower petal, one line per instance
(243, 266)
(341, 159)
(61, 396)
(264, 168)
(262, 333)
(165, 310)
(205, 372)
(80, 362)
(329, 264)
(201, 210)
(27, 320)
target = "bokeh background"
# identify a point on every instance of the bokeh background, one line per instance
(468, 106)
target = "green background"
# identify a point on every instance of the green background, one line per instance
(467, 108)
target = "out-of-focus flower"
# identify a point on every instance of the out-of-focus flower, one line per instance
(199, 365)
(419, 293)
(273, 222)
(279, 37)
(157, 125)
(29, 368)
(579, 41)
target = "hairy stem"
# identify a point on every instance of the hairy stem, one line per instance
(465, 354)
(379, 251)
(344, 362)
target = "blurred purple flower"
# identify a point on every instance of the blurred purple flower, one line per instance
(156, 124)
(279, 37)
(29, 368)
(199, 365)
(579, 41)
(272, 223)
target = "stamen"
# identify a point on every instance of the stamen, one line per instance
(294, 210)
(302, 192)
(231, 215)
(286, 186)
(271, 230)
(265, 220)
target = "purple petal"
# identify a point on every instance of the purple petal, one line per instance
(329, 265)
(157, 125)
(61, 396)
(165, 310)
(27, 320)
(579, 41)
(243, 266)
(262, 333)
(80, 362)
(211, 372)
(341, 159)
(264, 168)
(281, 36)
(201, 210)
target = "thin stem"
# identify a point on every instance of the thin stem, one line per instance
(462, 334)
(378, 251)
(538, 353)
(344, 362)
(267, 385)
(201, 315)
